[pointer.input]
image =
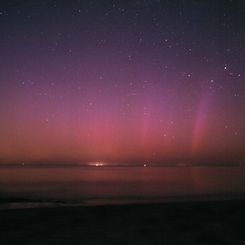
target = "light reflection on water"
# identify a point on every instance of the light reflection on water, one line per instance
(118, 184)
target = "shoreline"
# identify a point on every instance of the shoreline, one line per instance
(203, 222)
(25, 203)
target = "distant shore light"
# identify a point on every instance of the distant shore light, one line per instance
(96, 164)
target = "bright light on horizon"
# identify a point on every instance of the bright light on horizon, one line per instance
(96, 164)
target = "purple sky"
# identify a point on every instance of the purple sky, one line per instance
(122, 81)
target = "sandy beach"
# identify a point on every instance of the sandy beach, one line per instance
(207, 222)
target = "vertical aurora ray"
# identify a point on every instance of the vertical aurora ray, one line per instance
(200, 123)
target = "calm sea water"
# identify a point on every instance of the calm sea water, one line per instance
(95, 185)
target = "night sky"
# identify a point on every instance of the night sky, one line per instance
(122, 81)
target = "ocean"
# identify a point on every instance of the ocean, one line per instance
(37, 186)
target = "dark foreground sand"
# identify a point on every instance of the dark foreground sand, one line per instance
(213, 222)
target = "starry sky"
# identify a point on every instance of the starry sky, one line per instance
(122, 81)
